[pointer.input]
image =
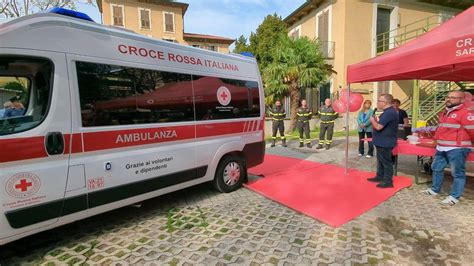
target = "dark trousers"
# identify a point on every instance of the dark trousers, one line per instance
(384, 164)
(278, 126)
(323, 129)
(362, 135)
(303, 127)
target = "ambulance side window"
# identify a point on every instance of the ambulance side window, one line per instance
(219, 98)
(118, 95)
(25, 90)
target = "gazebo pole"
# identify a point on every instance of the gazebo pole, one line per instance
(415, 113)
(347, 128)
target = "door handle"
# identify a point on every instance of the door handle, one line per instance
(54, 143)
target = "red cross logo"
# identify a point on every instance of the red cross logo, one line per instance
(224, 96)
(23, 185)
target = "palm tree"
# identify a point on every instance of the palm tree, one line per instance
(296, 63)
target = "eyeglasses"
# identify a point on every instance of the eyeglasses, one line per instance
(453, 97)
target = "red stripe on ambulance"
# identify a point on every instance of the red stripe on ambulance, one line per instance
(76, 145)
(94, 141)
(22, 149)
(210, 130)
(33, 148)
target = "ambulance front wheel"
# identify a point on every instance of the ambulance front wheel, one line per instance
(230, 174)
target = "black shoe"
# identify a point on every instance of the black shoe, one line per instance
(384, 185)
(301, 145)
(309, 145)
(283, 143)
(375, 179)
(319, 146)
(328, 146)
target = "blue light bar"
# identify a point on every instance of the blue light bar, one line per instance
(70, 13)
(249, 54)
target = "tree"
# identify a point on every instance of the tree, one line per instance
(241, 45)
(295, 63)
(15, 86)
(19, 8)
(264, 39)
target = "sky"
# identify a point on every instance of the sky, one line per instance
(226, 18)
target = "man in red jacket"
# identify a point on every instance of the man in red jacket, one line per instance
(454, 138)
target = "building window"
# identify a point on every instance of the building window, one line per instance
(327, 48)
(445, 16)
(145, 18)
(323, 27)
(295, 33)
(117, 15)
(196, 45)
(383, 28)
(169, 40)
(169, 21)
(212, 48)
(383, 88)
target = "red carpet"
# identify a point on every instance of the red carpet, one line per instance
(321, 191)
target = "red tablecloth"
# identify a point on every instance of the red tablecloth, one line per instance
(404, 147)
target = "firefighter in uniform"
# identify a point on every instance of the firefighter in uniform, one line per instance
(328, 116)
(278, 115)
(304, 114)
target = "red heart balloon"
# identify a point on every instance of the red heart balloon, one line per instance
(355, 102)
(343, 96)
(339, 106)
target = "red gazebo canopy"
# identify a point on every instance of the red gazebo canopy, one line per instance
(445, 53)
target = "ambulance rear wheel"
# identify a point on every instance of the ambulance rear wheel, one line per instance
(230, 174)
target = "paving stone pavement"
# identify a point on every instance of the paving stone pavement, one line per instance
(199, 226)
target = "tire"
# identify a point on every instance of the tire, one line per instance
(230, 174)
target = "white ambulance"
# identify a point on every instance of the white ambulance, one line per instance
(97, 118)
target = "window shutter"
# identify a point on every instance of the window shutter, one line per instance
(145, 19)
(169, 23)
(117, 15)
